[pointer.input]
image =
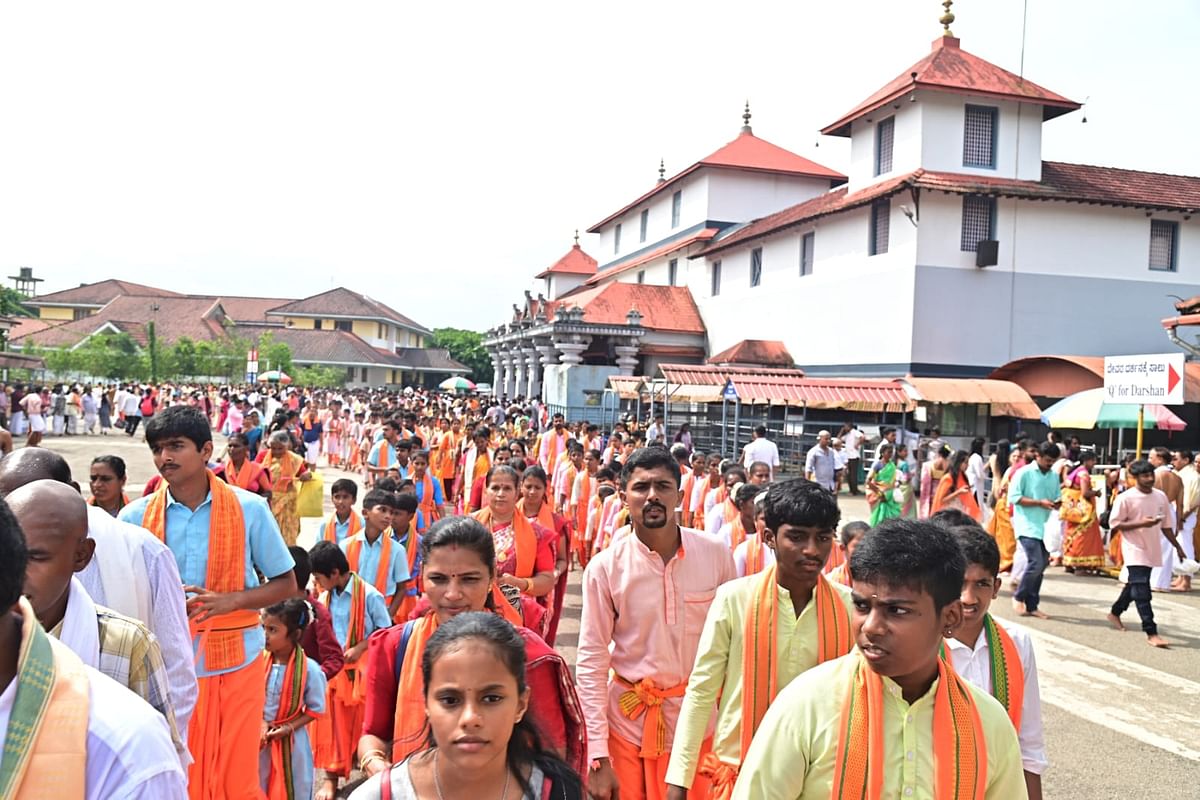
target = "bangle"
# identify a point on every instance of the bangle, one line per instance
(528, 585)
(371, 755)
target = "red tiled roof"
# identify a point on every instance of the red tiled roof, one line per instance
(949, 68)
(761, 352)
(99, 293)
(1072, 183)
(746, 152)
(341, 302)
(663, 308)
(194, 317)
(575, 262)
(658, 252)
(845, 393)
(250, 309)
(28, 325)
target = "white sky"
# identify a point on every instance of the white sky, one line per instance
(438, 155)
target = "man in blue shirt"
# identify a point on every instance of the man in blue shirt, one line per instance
(1034, 495)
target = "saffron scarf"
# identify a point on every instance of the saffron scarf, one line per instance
(755, 556)
(1008, 676)
(581, 505)
(685, 492)
(410, 724)
(524, 540)
(350, 684)
(281, 783)
(289, 466)
(330, 534)
(245, 476)
(544, 517)
(427, 506)
(737, 533)
(354, 550)
(959, 748)
(220, 636)
(760, 656)
(45, 748)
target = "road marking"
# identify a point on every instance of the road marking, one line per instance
(1157, 708)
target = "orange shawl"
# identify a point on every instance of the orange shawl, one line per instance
(427, 505)
(245, 477)
(685, 491)
(220, 636)
(967, 500)
(289, 467)
(959, 748)
(281, 783)
(410, 724)
(354, 549)
(351, 683)
(737, 533)
(524, 538)
(760, 658)
(330, 534)
(755, 556)
(579, 517)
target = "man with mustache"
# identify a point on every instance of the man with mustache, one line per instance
(647, 594)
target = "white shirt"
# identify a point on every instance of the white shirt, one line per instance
(129, 750)
(131, 405)
(655, 431)
(975, 465)
(739, 558)
(975, 666)
(852, 441)
(168, 618)
(763, 450)
(714, 518)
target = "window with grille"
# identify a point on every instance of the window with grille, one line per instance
(672, 271)
(641, 278)
(756, 266)
(978, 221)
(645, 223)
(880, 223)
(716, 278)
(1163, 234)
(617, 238)
(979, 137)
(676, 207)
(806, 253)
(884, 135)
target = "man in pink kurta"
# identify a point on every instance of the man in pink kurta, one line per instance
(647, 595)
(553, 444)
(1142, 516)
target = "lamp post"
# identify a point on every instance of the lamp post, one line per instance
(152, 335)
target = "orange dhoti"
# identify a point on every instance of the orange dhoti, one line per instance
(336, 735)
(223, 736)
(642, 778)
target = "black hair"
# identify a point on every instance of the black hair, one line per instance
(345, 486)
(185, 421)
(651, 458)
(885, 447)
(379, 497)
(605, 473)
(502, 469)
(1140, 467)
(406, 501)
(525, 747)
(537, 473)
(293, 613)
(238, 438)
(465, 532)
(912, 553)
(115, 463)
(1049, 449)
(953, 518)
(734, 469)
(955, 470)
(800, 502)
(1003, 452)
(1186, 455)
(978, 547)
(851, 531)
(977, 445)
(759, 465)
(760, 430)
(747, 491)
(386, 484)
(1163, 453)
(302, 570)
(13, 558)
(325, 557)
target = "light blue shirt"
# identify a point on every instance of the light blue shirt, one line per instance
(1031, 482)
(339, 609)
(368, 561)
(342, 529)
(187, 537)
(375, 458)
(419, 485)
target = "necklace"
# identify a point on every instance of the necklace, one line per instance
(437, 779)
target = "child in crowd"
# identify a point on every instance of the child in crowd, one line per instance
(345, 521)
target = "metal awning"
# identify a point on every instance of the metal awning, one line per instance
(829, 393)
(627, 387)
(1007, 399)
(714, 375)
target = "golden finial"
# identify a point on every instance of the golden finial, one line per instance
(746, 119)
(947, 18)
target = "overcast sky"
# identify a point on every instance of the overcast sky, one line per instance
(438, 155)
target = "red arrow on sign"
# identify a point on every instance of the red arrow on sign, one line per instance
(1172, 378)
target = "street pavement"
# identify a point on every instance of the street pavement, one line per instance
(1122, 719)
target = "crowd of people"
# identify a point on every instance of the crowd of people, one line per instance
(737, 638)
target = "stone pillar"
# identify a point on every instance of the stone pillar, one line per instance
(497, 372)
(506, 382)
(518, 362)
(627, 356)
(533, 372)
(571, 347)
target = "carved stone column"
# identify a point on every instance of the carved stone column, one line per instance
(627, 356)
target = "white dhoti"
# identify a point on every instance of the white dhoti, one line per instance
(1160, 577)
(1185, 536)
(1019, 565)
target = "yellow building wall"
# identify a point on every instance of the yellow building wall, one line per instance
(303, 323)
(367, 329)
(56, 313)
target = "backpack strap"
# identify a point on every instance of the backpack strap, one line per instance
(404, 637)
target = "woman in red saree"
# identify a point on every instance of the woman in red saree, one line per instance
(954, 489)
(535, 508)
(1083, 544)
(458, 572)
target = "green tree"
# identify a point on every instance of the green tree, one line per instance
(319, 376)
(12, 303)
(276, 354)
(61, 361)
(467, 347)
(179, 360)
(111, 355)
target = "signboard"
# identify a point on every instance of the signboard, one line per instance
(729, 393)
(251, 363)
(1154, 378)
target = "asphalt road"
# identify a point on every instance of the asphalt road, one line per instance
(1122, 719)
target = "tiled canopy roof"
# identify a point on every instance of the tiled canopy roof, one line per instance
(575, 262)
(663, 308)
(949, 68)
(761, 352)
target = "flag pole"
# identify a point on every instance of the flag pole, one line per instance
(1141, 421)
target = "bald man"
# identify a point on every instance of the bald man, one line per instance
(131, 572)
(54, 519)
